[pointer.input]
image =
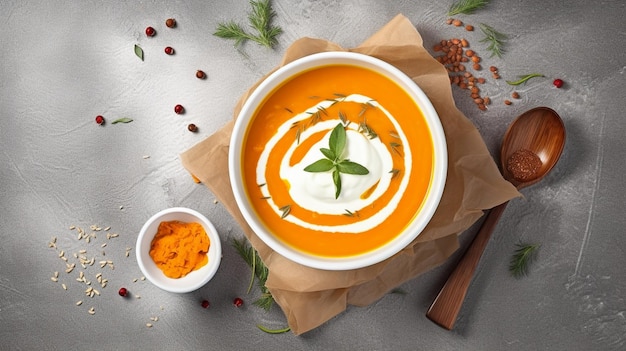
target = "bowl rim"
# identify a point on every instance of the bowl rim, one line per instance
(413, 228)
(209, 270)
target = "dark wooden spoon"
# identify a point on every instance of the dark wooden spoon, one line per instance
(540, 131)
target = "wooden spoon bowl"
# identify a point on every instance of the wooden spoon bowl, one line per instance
(539, 130)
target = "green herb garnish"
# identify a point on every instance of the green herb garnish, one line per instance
(367, 130)
(466, 7)
(494, 38)
(522, 257)
(260, 19)
(524, 79)
(395, 147)
(334, 162)
(285, 210)
(394, 173)
(122, 120)
(259, 270)
(273, 331)
(139, 52)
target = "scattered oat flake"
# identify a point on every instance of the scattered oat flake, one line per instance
(64, 286)
(54, 279)
(138, 296)
(149, 325)
(103, 245)
(143, 278)
(146, 157)
(92, 311)
(134, 280)
(79, 302)
(107, 229)
(215, 201)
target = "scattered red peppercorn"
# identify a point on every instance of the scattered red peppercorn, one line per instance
(558, 82)
(200, 74)
(169, 50)
(238, 302)
(123, 292)
(205, 304)
(100, 120)
(150, 31)
(179, 109)
(170, 23)
(192, 127)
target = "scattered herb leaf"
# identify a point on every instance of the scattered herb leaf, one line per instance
(524, 79)
(139, 52)
(333, 160)
(273, 331)
(522, 257)
(259, 270)
(367, 130)
(494, 38)
(122, 120)
(395, 147)
(466, 7)
(285, 210)
(394, 173)
(260, 19)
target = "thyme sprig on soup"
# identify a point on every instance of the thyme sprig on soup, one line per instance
(337, 161)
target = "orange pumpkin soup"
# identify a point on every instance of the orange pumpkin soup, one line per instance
(337, 213)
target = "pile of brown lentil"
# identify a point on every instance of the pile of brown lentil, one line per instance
(460, 61)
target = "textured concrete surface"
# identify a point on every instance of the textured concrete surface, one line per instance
(62, 63)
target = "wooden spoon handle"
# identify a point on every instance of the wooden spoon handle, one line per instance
(447, 304)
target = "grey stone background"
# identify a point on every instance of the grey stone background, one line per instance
(64, 62)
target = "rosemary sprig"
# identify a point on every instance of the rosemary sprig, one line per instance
(494, 38)
(259, 270)
(260, 19)
(524, 78)
(466, 7)
(522, 257)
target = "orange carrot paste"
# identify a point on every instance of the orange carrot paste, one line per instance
(179, 248)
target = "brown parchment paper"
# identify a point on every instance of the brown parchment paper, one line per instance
(309, 297)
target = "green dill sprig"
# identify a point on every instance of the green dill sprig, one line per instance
(521, 259)
(258, 271)
(260, 19)
(494, 38)
(466, 7)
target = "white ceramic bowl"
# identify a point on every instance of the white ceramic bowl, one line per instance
(195, 279)
(412, 230)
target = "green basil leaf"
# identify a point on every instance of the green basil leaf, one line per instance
(122, 120)
(328, 153)
(337, 140)
(350, 167)
(139, 52)
(337, 181)
(322, 165)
